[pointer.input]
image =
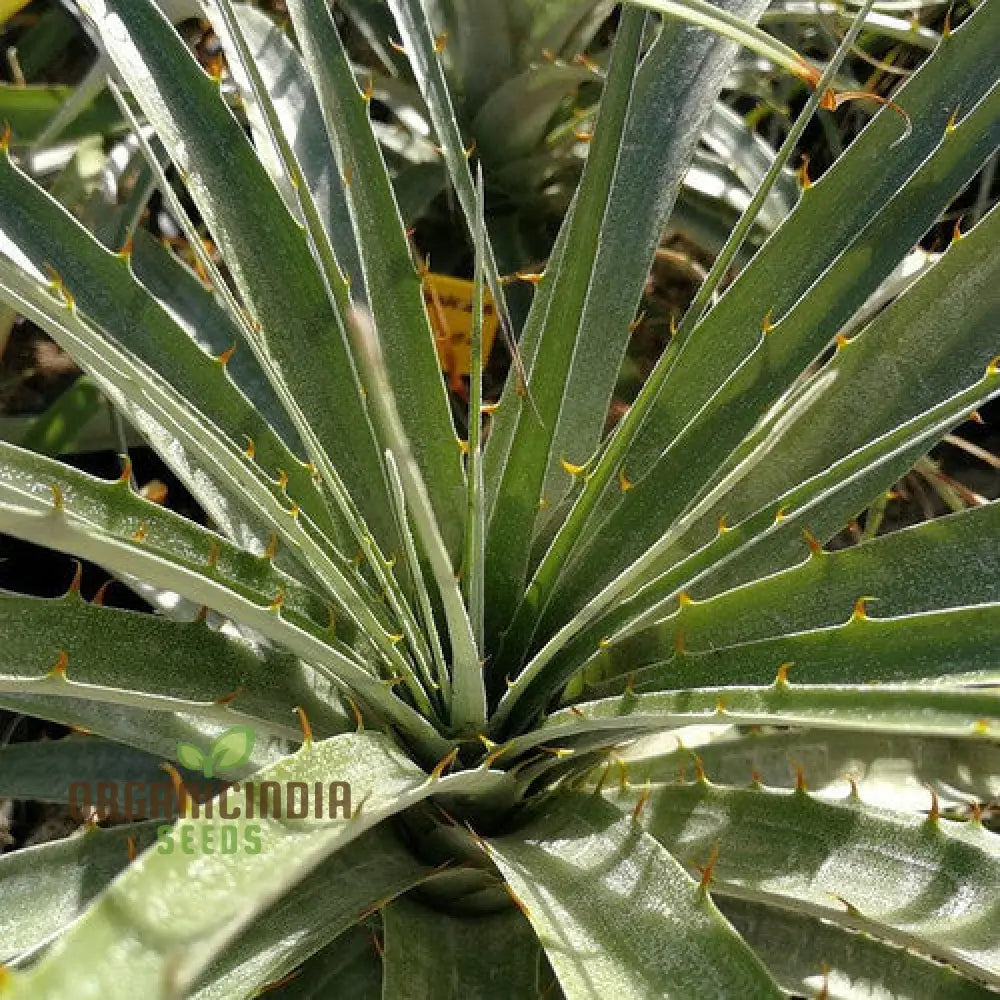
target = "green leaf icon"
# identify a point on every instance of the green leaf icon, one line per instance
(231, 750)
(190, 756)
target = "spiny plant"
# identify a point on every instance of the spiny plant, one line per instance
(515, 70)
(483, 638)
(523, 81)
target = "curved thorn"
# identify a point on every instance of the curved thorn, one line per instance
(180, 789)
(227, 699)
(640, 803)
(708, 869)
(815, 548)
(102, 593)
(443, 765)
(781, 678)
(359, 719)
(58, 672)
(307, 733)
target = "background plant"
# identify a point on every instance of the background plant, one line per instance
(477, 642)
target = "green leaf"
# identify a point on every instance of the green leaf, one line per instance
(284, 72)
(29, 109)
(350, 966)
(473, 564)
(479, 45)
(520, 472)
(616, 913)
(719, 20)
(57, 431)
(515, 119)
(608, 614)
(561, 26)
(317, 914)
(265, 249)
(154, 930)
(198, 310)
(893, 770)
(946, 645)
(940, 329)
(468, 697)
(872, 206)
(674, 91)
(820, 591)
(930, 884)
(932, 710)
(393, 285)
(110, 524)
(950, 646)
(44, 771)
(155, 664)
(46, 887)
(433, 954)
(119, 309)
(154, 732)
(851, 964)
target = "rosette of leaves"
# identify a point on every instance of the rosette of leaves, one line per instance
(483, 638)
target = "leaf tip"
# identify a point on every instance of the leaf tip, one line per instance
(800, 778)
(699, 770)
(272, 547)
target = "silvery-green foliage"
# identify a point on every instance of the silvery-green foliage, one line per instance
(500, 645)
